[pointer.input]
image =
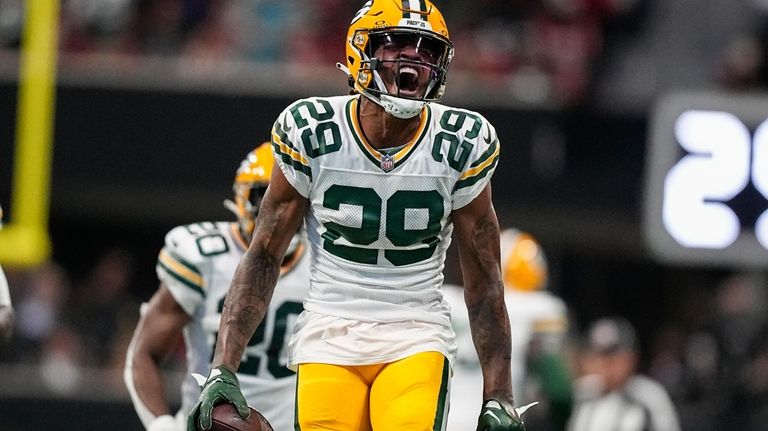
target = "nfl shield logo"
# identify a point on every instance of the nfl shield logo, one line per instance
(387, 162)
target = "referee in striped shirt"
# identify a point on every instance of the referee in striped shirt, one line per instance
(611, 396)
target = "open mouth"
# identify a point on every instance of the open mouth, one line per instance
(408, 80)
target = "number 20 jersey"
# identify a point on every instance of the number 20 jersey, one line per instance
(379, 224)
(197, 264)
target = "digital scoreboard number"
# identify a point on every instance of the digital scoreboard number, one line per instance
(706, 185)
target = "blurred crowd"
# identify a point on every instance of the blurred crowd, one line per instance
(535, 51)
(69, 326)
(713, 356)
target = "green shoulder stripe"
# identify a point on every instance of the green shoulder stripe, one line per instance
(181, 270)
(486, 155)
(195, 287)
(178, 260)
(282, 132)
(285, 157)
(467, 182)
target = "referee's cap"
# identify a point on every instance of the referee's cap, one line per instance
(611, 334)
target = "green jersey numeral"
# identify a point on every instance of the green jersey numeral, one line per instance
(452, 122)
(327, 133)
(272, 349)
(402, 206)
(367, 233)
(209, 240)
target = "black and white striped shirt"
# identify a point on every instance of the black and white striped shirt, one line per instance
(641, 405)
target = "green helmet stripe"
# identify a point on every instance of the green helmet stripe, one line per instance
(411, 5)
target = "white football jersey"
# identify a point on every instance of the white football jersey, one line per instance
(533, 315)
(197, 264)
(379, 224)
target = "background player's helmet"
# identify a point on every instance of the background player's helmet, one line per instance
(251, 181)
(1, 217)
(416, 22)
(523, 263)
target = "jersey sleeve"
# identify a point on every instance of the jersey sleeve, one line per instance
(480, 167)
(289, 153)
(178, 268)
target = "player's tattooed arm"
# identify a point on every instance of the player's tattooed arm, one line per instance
(245, 306)
(477, 231)
(280, 216)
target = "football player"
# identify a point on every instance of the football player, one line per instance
(6, 308)
(539, 323)
(195, 268)
(382, 178)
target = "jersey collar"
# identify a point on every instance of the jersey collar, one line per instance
(379, 159)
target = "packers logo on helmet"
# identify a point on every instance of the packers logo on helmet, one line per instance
(398, 52)
(523, 264)
(251, 181)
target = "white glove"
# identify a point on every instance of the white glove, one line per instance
(164, 423)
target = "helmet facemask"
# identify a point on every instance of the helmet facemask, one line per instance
(250, 186)
(248, 197)
(402, 68)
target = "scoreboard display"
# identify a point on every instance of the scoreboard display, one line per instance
(706, 185)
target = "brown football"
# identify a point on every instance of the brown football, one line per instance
(225, 418)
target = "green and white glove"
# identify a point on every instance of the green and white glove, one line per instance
(498, 415)
(221, 387)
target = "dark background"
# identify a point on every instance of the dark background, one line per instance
(129, 165)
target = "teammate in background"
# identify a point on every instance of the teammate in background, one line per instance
(6, 308)
(611, 395)
(539, 325)
(383, 178)
(195, 269)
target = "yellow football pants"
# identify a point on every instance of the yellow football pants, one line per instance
(406, 395)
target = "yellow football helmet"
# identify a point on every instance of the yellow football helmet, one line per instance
(403, 43)
(523, 264)
(251, 181)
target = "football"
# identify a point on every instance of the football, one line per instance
(225, 418)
